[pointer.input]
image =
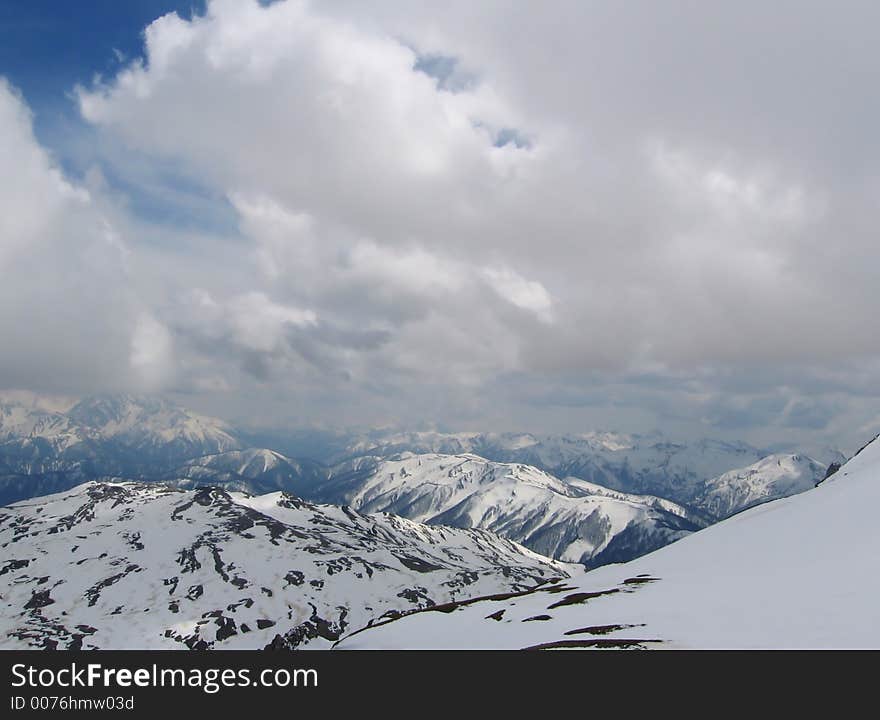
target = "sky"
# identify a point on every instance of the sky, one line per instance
(550, 217)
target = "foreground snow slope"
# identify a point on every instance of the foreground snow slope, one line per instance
(794, 573)
(132, 565)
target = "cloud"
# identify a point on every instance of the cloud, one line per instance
(151, 351)
(432, 207)
(298, 101)
(336, 147)
(260, 324)
(65, 309)
(517, 290)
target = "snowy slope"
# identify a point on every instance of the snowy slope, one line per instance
(153, 424)
(129, 565)
(570, 521)
(44, 450)
(49, 444)
(36, 430)
(19, 421)
(774, 476)
(132, 423)
(649, 464)
(793, 573)
(255, 470)
(41, 450)
(640, 464)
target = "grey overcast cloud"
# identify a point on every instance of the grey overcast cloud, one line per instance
(550, 217)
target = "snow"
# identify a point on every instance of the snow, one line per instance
(20, 421)
(135, 565)
(728, 585)
(572, 521)
(150, 438)
(641, 464)
(151, 419)
(792, 573)
(715, 477)
(774, 476)
(142, 423)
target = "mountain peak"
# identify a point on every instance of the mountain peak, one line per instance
(155, 418)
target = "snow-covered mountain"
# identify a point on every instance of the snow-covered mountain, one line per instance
(611, 496)
(153, 426)
(573, 521)
(640, 464)
(259, 471)
(25, 422)
(47, 445)
(19, 420)
(792, 573)
(255, 471)
(775, 476)
(44, 450)
(134, 565)
(144, 424)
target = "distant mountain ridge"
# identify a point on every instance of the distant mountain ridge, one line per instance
(43, 451)
(640, 464)
(150, 423)
(567, 521)
(594, 497)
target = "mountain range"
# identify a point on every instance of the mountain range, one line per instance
(592, 498)
(793, 573)
(43, 451)
(641, 464)
(137, 523)
(570, 521)
(136, 565)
